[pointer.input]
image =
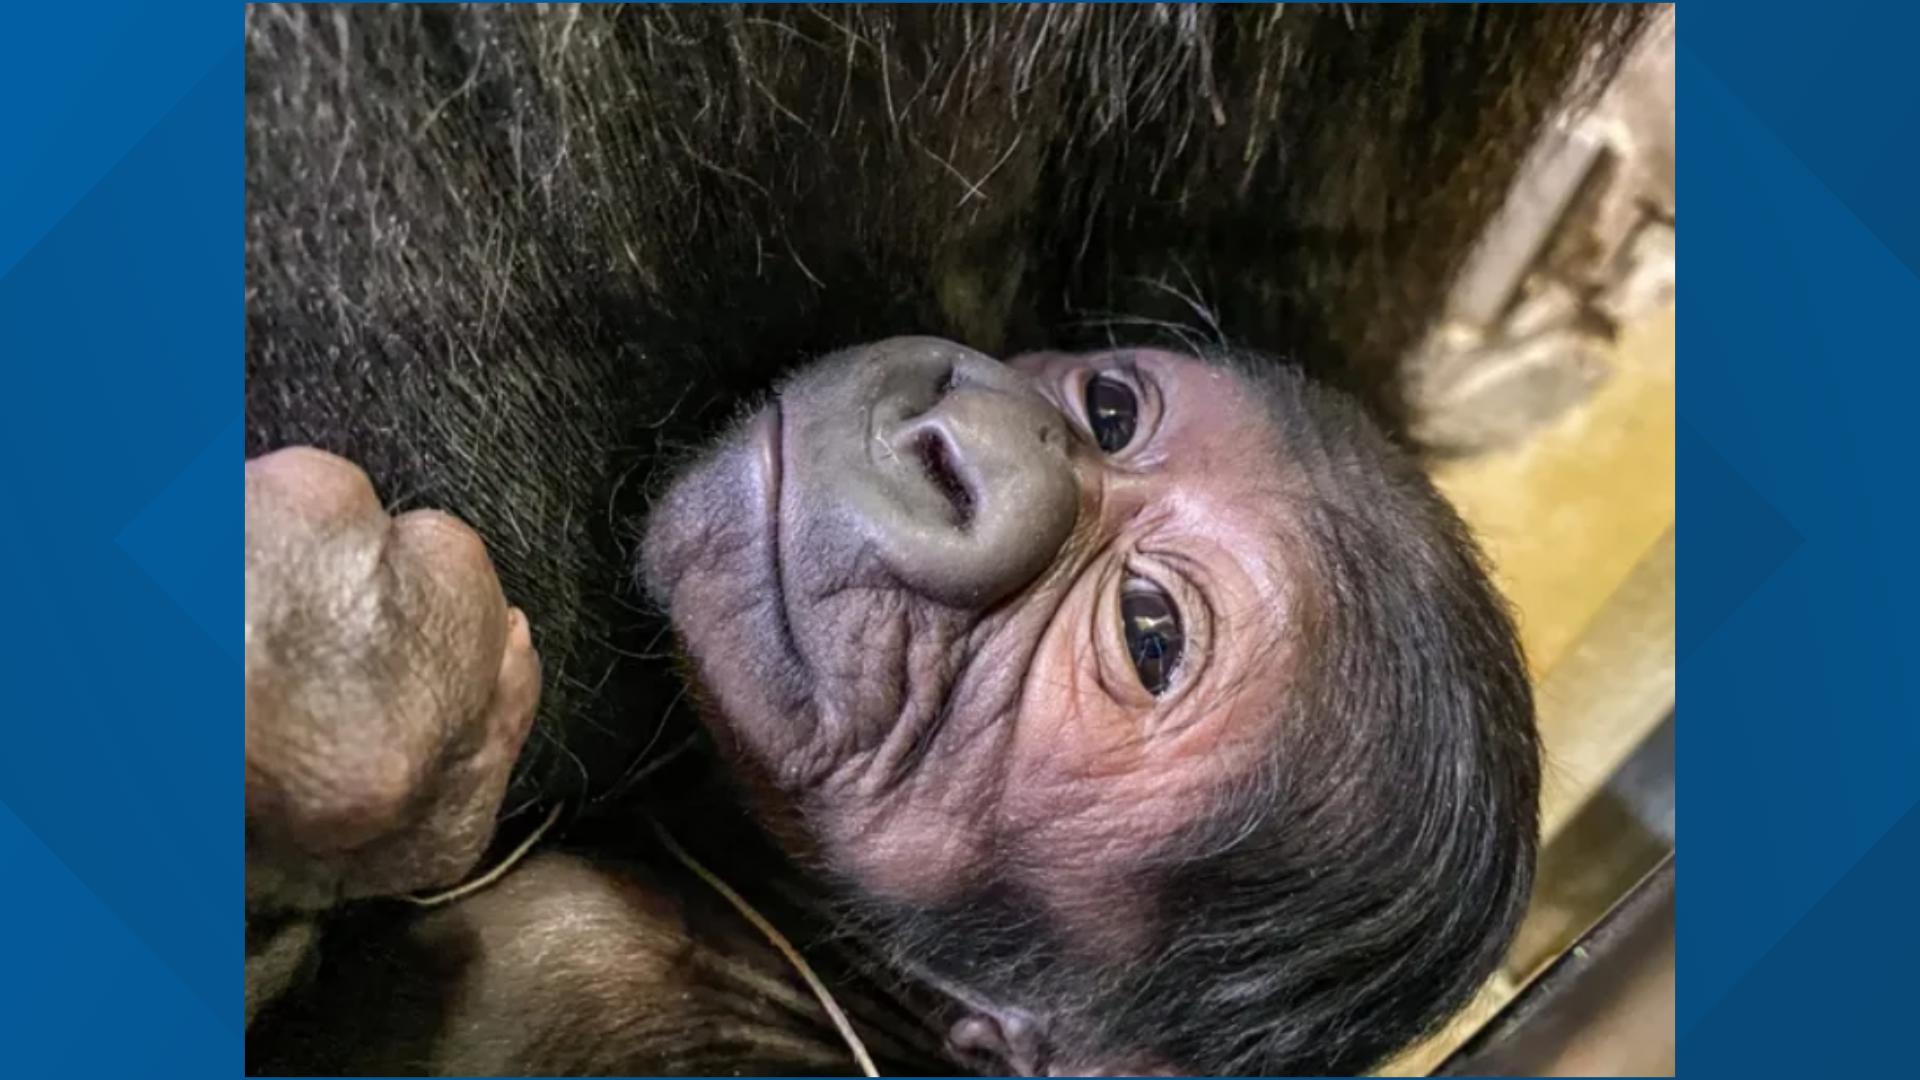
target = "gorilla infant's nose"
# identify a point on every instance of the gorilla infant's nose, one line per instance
(966, 490)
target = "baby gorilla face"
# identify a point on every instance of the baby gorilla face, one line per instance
(944, 606)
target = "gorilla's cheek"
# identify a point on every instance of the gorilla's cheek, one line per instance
(711, 559)
(818, 665)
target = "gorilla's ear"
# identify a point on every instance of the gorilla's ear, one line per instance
(1011, 1042)
(1014, 1042)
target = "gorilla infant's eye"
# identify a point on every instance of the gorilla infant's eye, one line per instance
(1112, 411)
(1154, 637)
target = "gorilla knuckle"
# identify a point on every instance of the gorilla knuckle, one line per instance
(325, 800)
(518, 687)
(319, 484)
(383, 788)
(446, 547)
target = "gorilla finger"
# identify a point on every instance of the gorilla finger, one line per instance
(455, 618)
(457, 823)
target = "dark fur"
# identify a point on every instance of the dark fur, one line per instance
(512, 262)
(642, 974)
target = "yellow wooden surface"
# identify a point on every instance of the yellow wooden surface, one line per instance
(1578, 523)
(1567, 514)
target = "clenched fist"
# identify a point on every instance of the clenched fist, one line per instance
(389, 688)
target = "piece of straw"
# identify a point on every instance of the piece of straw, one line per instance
(493, 875)
(780, 942)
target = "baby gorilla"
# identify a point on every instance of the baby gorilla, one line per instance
(1152, 710)
(1154, 707)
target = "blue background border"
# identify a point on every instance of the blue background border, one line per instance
(120, 400)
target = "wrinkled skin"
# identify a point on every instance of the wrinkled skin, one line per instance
(927, 690)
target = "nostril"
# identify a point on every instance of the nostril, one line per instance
(936, 460)
(922, 391)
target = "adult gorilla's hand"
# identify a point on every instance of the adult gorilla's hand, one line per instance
(389, 689)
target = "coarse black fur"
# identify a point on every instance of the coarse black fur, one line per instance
(514, 261)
